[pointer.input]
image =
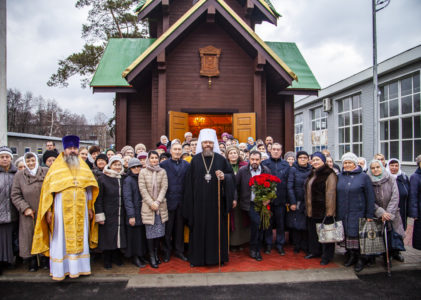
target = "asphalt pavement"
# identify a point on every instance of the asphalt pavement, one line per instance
(402, 285)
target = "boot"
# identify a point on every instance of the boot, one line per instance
(137, 262)
(45, 263)
(107, 259)
(118, 260)
(352, 259)
(152, 260)
(33, 264)
(156, 246)
(158, 261)
(359, 266)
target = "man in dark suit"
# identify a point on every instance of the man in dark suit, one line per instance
(246, 200)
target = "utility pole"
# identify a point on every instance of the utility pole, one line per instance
(3, 78)
(377, 6)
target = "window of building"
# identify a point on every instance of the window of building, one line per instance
(350, 125)
(318, 129)
(298, 138)
(400, 124)
(27, 149)
(14, 150)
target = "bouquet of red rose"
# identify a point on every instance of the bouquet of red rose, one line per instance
(264, 188)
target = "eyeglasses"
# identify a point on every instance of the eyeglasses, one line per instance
(136, 167)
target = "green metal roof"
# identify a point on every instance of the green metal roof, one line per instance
(290, 54)
(118, 54)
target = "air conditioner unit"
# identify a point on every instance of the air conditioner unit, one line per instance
(327, 104)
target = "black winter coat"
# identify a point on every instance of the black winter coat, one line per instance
(415, 207)
(403, 186)
(279, 168)
(243, 189)
(296, 196)
(132, 198)
(354, 200)
(176, 173)
(112, 235)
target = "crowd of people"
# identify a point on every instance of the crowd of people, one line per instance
(192, 200)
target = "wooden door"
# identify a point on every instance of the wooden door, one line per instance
(243, 126)
(178, 125)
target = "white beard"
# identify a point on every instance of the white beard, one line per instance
(72, 161)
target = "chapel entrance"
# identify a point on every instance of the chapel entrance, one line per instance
(240, 125)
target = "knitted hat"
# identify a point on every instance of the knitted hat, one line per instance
(162, 147)
(113, 159)
(6, 150)
(142, 155)
(47, 154)
(134, 162)
(101, 156)
(70, 141)
(349, 156)
(289, 154)
(125, 149)
(299, 153)
(319, 155)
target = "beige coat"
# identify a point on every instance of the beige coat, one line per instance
(25, 194)
(145, 186)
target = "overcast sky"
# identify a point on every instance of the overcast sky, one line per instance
(335, 38)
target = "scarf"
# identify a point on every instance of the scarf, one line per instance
(111, 173)
(33, 172)
(378, 177)
(155, 192)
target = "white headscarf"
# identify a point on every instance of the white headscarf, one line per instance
(207, 134)
(33, 172)
(388, 169)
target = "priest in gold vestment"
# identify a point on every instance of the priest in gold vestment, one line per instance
(65, 228)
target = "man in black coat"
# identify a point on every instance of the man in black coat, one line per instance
(246, 200)
(176, 169)
(279, 168)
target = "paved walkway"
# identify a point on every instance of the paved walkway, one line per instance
(291, 268)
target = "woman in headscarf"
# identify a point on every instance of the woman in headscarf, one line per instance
(153, 185)
(362, 162)
(239, 219)
(355, 200)
(250, 143)
(386, 206)
(164, 141)
(394, 168)
(110, 214)
(20, 164)
(25, 195)
(320, 205)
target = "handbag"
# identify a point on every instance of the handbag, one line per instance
(371, 236)
(330, 233)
